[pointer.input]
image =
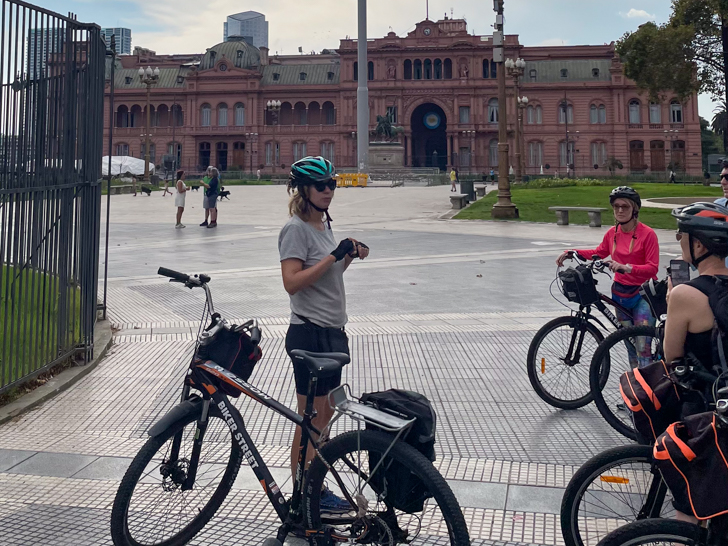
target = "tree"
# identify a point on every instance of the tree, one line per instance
(686, 55)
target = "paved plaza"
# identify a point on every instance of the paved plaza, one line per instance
(443, 307)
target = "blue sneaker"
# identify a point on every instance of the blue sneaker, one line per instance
(332, 504)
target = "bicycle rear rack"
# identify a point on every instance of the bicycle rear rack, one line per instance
(343, 404)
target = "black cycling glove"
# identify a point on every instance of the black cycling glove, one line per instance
(346, 246)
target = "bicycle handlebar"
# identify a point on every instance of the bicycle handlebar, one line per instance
(176, 275)
(596, 262)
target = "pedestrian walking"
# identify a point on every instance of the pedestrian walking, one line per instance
(258, 173)
(209, 202)
(312, 267)
(179, 198)
(453, 179)
(166, 188)
(492, 176)
(672, 176)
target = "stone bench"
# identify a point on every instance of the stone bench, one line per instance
(124, 188)
(481, 190)
(458, 201)
(562, 215)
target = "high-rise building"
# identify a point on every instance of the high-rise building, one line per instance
(250, 25)
(123, 39)
(42, 44)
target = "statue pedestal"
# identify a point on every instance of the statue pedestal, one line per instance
(386, 154)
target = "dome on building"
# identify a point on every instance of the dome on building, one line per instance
(238, 52)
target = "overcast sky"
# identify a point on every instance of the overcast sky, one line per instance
(191, 26)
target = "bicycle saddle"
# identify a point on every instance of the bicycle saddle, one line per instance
(321, 364)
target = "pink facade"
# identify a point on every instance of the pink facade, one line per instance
(438, 83)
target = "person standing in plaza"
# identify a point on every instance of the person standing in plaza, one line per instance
(258, 173)
(492, 176)
(672, 176)
(312, 267)
(453, 179)
(209, 201)
(179, 198)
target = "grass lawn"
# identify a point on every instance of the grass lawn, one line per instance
(190, 182)
(533, 204)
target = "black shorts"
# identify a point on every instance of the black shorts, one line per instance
(310, 337)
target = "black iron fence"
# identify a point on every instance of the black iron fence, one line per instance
(51, 119)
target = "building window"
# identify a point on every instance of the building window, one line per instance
(566, 115)
(330, 76)
(535, 154)
(205, 115)
(493, 111)
(655, 113)
(122, 149)
(276, 76)
(532, 74)
(602, 114)
(465, 114)
(299, 150)
(597, 114)
(428, 69)
(599, 153)
(464, 157)
(239, 114)
(329, 113)
(204, 155)
(595, 72)
(152, 152)
(122, 116)
(486, 69)
(438, 69)
(392, 113)
(534, 115)
(418, 70)
(634, 112)
(493, 70)
(127, 80)
(676, 112)
(493, 153)
(302, 76)
(222, 118)
(327, 151)
(272, 153)
(370, 71)
(448, 69)
(564, 73)
(562, 154)
(408, 70)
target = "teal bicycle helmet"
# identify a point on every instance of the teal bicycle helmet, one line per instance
(311, 170)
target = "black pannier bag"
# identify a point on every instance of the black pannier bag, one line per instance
(578, 285)
(233, 350)
(655, 294)
(404, 490)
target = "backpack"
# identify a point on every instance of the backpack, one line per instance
(655, 294)
(692, 456)
(716, 288)
(578, 285)
(404, 491)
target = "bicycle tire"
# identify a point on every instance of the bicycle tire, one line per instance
(536, 367)
(123, 535)
(607, 365)
(580, 525)
(370, 441)
(656, 531)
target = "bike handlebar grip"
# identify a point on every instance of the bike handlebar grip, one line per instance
(176, 275)
(255, 335)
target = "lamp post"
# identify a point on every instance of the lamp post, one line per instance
(252, 138)
(470, 135)
(515, 69)
(274, 107)
(503, 208)
(521, 150)
(671, 136)
(149, 78)
(362, 92)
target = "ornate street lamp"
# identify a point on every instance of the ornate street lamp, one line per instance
(274, 107)
(149, 78)
(515, 69)
(252, 138)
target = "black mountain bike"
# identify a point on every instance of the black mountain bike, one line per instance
(561, 351)
(187, 467)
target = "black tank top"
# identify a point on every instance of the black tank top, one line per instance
(701, 344)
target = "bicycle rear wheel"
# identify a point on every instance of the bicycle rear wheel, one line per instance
(612, 489)
(353, 456)
(558, 361)
(614, 357)
(658, 532)
(151, 508)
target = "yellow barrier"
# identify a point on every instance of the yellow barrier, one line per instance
(352, 180)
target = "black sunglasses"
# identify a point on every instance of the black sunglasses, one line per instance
(724, 176)
(321, 186)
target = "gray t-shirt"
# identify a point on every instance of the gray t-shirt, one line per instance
(324, 302)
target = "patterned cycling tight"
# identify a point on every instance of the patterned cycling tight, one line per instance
(641, 315)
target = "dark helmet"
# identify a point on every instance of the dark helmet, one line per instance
(707, 222)
(625, 192)
(310, 170)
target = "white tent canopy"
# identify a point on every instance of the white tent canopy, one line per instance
(121, 164)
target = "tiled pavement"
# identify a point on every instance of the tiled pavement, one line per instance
(506, 454)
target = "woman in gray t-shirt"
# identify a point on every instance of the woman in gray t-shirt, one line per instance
(313, 265)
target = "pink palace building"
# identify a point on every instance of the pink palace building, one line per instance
(438, 83)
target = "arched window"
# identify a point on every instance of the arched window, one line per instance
(493, 153)
(408, 70)
(204, 155)
(564, 159)
(285, 114)
(370, 70)
(493, 111)
(657, 155)
(602, 114)
(634, 112)
(314, 113)
(677, 154)
(448, 69)
(356, 71)
(418, 70)
(567, 113)
(486, 69)
(655, 113)
(299, 150)
(676, 112)
(222, 114)
(327, 151)
(163, 117)
(534, 115)
(239, 114)
(637, 155)
(428, 69)
(438, 69)
(535, 154)
(329, 113)
(122, 116)
(205, 115)
(493, 70)
(599, 153)
(300, 114)
(122, 148)
(136, 119)
(593, 114)
(222, 156)
(178, 117)
(272, 153)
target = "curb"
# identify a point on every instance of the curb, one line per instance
(64, 380)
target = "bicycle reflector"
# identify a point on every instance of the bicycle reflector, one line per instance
(543, 365)
(614, 479)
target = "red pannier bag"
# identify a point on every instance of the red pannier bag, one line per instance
(691, 455)
(652, 397)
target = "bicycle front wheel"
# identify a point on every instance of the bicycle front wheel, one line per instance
(359, 465)
(558, 361)
(152, 508)
(620, 352)
(659, 532)
(616, 487)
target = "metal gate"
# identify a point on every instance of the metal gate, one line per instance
(51, 118)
